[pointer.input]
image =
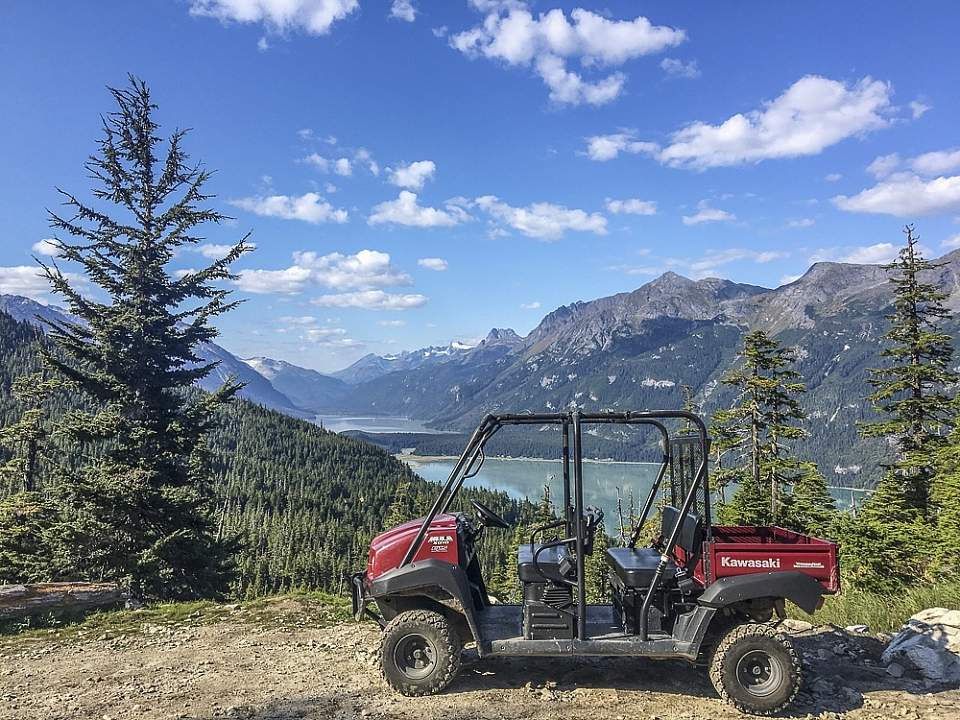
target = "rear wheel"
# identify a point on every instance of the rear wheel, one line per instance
(756, 669)
(420, 652)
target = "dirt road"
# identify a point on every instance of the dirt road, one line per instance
(290, 668)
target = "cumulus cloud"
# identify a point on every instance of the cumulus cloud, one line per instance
(675, 68)
(392, 323)
(918, 109)
(936, 163)
(952, 242)
(26, 280)
(833, 177)
(535, 305)
(372, 300)
(905, 195)
(405, 210)
(214, 251)
(883, 165)
(875, 254)
(544, 221)
(607, 147)
(706, 214)
(368, 269)
(808, 117)
(403, 10)
(314, 17)
(632, 206)
(433, 263)
(47, 246)
(412, 176)
(548, 42)
(309, 207)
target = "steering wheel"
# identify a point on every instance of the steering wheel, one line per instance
(488, 518)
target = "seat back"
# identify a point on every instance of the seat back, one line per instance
(691, 532)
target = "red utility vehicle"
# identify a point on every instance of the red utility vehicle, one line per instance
(699, 592)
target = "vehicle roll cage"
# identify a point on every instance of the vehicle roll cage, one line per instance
(468, 464)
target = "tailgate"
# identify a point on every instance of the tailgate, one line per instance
(746, 550)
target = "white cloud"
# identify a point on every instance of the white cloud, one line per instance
(951, 242)
(535, 305)
(632, 206)
(801, 223)
(679, 69)
(329, 188)
(433, 263)
(833, 177)
(608, 147)
(511, 34)
(262, 44)
(318, 161)
(707, 264)
(343, 167)
(706, 214)
(918, 109)
(298, 320)
(214, 251)
(392, 323)
(372, 300)
(26, 280)
(883, 165)
(439, 32)
(47, 246)
(368, 269)
(544, 221)
(412, 176)
(406, 211)
(861, 255)
(905, 195)
(403, 10)
(787, 279)
(309, 207)
(936, 163)
(808, 117)
(314, 17)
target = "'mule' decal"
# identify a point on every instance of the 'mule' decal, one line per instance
(440, 543)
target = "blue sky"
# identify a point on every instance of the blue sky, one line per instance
(418, 172)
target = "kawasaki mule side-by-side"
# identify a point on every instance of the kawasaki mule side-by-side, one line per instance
(702, 592)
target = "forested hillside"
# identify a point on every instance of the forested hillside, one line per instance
(302, 502)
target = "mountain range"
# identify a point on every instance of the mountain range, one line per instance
(627, 351)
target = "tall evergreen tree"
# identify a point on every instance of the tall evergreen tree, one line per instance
(887, 543)
(26, 440)
(758, 427)
(910, 393)
(141, 506)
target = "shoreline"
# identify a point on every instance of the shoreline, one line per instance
(424, 459)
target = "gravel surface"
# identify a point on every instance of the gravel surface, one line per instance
(235, 668)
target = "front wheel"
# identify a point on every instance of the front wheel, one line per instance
(756, 669)
(420, 652)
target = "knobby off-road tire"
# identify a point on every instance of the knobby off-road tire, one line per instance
(419, 652)
(756, 669)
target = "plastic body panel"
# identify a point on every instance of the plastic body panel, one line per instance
(442, 542)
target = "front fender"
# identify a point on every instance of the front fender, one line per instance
(802, 590)
(419, 577)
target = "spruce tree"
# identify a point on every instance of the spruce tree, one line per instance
(945, 500)
(141, 504)
(758, 427)
(810, 508)
(888, 541)
(401, 509)
(910, 393)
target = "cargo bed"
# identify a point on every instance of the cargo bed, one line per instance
(743, 550)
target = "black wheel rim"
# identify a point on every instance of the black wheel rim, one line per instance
(415, 656)
(759, 673)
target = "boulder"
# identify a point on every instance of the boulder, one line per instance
(930, 643)
(792, 625)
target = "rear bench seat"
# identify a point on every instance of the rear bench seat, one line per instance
(636, 566)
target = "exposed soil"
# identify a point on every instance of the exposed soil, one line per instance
(289, 667)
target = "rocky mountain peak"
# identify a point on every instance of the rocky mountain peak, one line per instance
(502, 336)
